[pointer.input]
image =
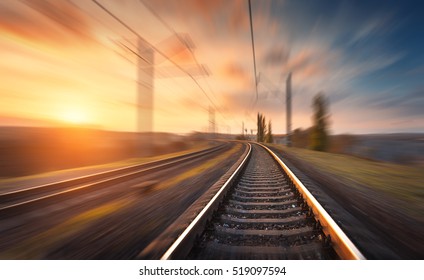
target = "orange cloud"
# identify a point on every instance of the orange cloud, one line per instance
(238, 19)
(55, 22)
(178, 47)
(300, 60)
(314, 70)
(217, 15)
(235, 72)
(312, 62)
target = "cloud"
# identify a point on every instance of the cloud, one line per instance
(44, 20)
(217, 16)
(235, 72)
(371, 29)
(321, 61)
(276, 56)
(327, 48)
(238, 19)
(401, 101)
(302, 59)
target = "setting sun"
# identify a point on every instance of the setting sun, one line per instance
(75, 116)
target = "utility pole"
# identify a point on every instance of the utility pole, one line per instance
(288, 108)
(242, 129)
(145, 86)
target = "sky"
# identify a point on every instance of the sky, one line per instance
(74, 63)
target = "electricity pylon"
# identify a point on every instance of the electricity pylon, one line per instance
(147, 66)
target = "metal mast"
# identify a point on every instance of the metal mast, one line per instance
(288, 108)
(145, 84)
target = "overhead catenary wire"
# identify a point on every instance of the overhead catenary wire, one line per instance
(127, 48)
(154, 48)
(253, 50)
(184, 42)
(157, 70)
(274, 89)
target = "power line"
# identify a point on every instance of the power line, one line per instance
(184, 42)
(124, 46)
(273, 89)
(154, 48)
(253, 50)
(127, 47)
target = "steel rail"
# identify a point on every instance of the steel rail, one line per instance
(179, 242)
(97, 176)
(5, 211)
(341, 243)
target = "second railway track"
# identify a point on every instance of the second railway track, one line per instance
(267, 213)
(24, 200)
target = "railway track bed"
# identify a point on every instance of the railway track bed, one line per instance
(265, 214)
(263, 217)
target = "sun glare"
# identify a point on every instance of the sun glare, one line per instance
(75, 117)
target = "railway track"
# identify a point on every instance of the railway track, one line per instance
(24, 200)
(266, 213)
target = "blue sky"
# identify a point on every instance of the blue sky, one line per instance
(380, 47)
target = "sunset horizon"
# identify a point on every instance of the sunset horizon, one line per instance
(73, 62)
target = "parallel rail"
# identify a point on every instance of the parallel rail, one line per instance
(343, 246)
(324, 228)
(14, 202)
(179, 248)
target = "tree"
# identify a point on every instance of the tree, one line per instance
(261, 128)
(320, 119)
(269, 138)
(301, 138)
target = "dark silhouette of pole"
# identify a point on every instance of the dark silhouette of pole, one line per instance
(288, 108)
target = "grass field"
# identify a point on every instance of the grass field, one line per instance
(401, 182)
